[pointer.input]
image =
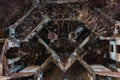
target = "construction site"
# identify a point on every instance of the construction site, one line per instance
(59, 39)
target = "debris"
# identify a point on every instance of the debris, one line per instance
(64, 33)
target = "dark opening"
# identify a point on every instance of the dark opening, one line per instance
(118, 48)
(111, 48)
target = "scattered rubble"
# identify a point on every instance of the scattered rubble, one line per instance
(48, 37)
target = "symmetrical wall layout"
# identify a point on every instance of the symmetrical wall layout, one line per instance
(59, 31)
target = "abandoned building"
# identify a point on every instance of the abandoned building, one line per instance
(59, 39)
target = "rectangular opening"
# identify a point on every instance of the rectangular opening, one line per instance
(111, 48)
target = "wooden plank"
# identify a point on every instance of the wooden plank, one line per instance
(99, 68)
(5, 77)
(110, 74)
(43, 66)
(54, 55)
(15, 76)
(2, 40)
(88, 68)
(37, 28)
